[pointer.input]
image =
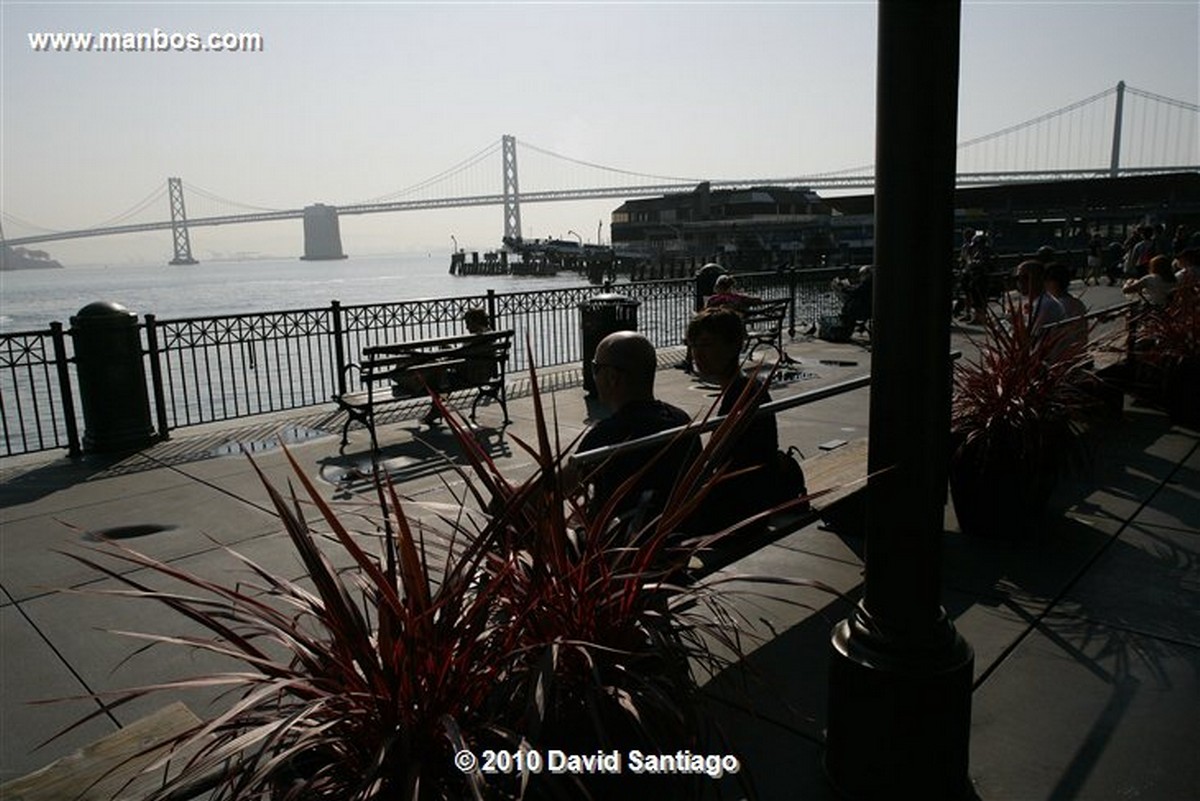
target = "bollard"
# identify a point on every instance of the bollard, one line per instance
(112, 379)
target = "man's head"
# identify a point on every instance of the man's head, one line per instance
(1030, 276)
(624, 366)
(1057, 279)
(716, 336)
(476, 320)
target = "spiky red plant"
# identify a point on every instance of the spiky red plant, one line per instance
(1022, 394)
(545, 624)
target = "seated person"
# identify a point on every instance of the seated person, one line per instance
(1155, 286)
(474, 371)
(857, 300)
(1039, 306)
(1073, 331)
(624, 366)
(716, 336)
(725, 294)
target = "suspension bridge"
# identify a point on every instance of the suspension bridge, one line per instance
(1122, 131)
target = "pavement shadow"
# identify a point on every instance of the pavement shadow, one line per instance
(1128, 616)
(25, 485)
(429, 452)
(770, 709)
(1117, 457)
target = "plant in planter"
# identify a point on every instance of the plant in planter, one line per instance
(358, 686)
(1015, 423)
(541, 628)
(1167, 340)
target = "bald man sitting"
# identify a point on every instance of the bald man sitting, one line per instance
(624, 366)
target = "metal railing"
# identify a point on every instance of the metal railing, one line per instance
(209, 369)
(37, 400)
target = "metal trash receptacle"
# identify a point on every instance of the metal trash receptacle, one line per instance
(600, 316)
(112, 379)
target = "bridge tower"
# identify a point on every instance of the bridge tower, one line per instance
(179, 231)
(512, 194)
(1115, 166)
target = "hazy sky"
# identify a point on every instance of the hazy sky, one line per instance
(354, 101)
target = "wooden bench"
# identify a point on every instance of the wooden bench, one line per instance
(396, 373)
(839, 470)
(764, 326)
(113, 766)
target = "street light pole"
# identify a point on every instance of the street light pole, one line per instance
(577, 236)
(455, 241)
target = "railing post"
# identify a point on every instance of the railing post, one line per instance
(792, 296)
(491, 308)
(156, 377)
(339, 347)
(64, 386)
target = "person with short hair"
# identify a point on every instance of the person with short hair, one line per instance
(1187, 265)
(1041, 308)
(477, 321)
(1140, 252)
(624, 368)
(725, 294)
(1095, 259)
(716, 336)
(1074, 330)
(1156, 285)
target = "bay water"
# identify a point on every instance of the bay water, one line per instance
(32, 299)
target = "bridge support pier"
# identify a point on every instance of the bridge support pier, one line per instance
(322, 234)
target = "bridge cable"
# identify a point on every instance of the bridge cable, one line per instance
(195, 190)
(1036, 120)
(466, 163)
(22, 223)
(1183, 104)
(672, 178)
(136, 208)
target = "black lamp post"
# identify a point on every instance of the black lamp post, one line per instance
(900, 675)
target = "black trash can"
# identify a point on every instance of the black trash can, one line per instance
(112, 379)
(600, 316)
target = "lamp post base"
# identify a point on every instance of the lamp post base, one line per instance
(899, 718)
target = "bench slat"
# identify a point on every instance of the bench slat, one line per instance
(67, 777)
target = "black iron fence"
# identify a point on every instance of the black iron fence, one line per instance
(208, 369)
(37, 407)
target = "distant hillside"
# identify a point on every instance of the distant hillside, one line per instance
(24, 259)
